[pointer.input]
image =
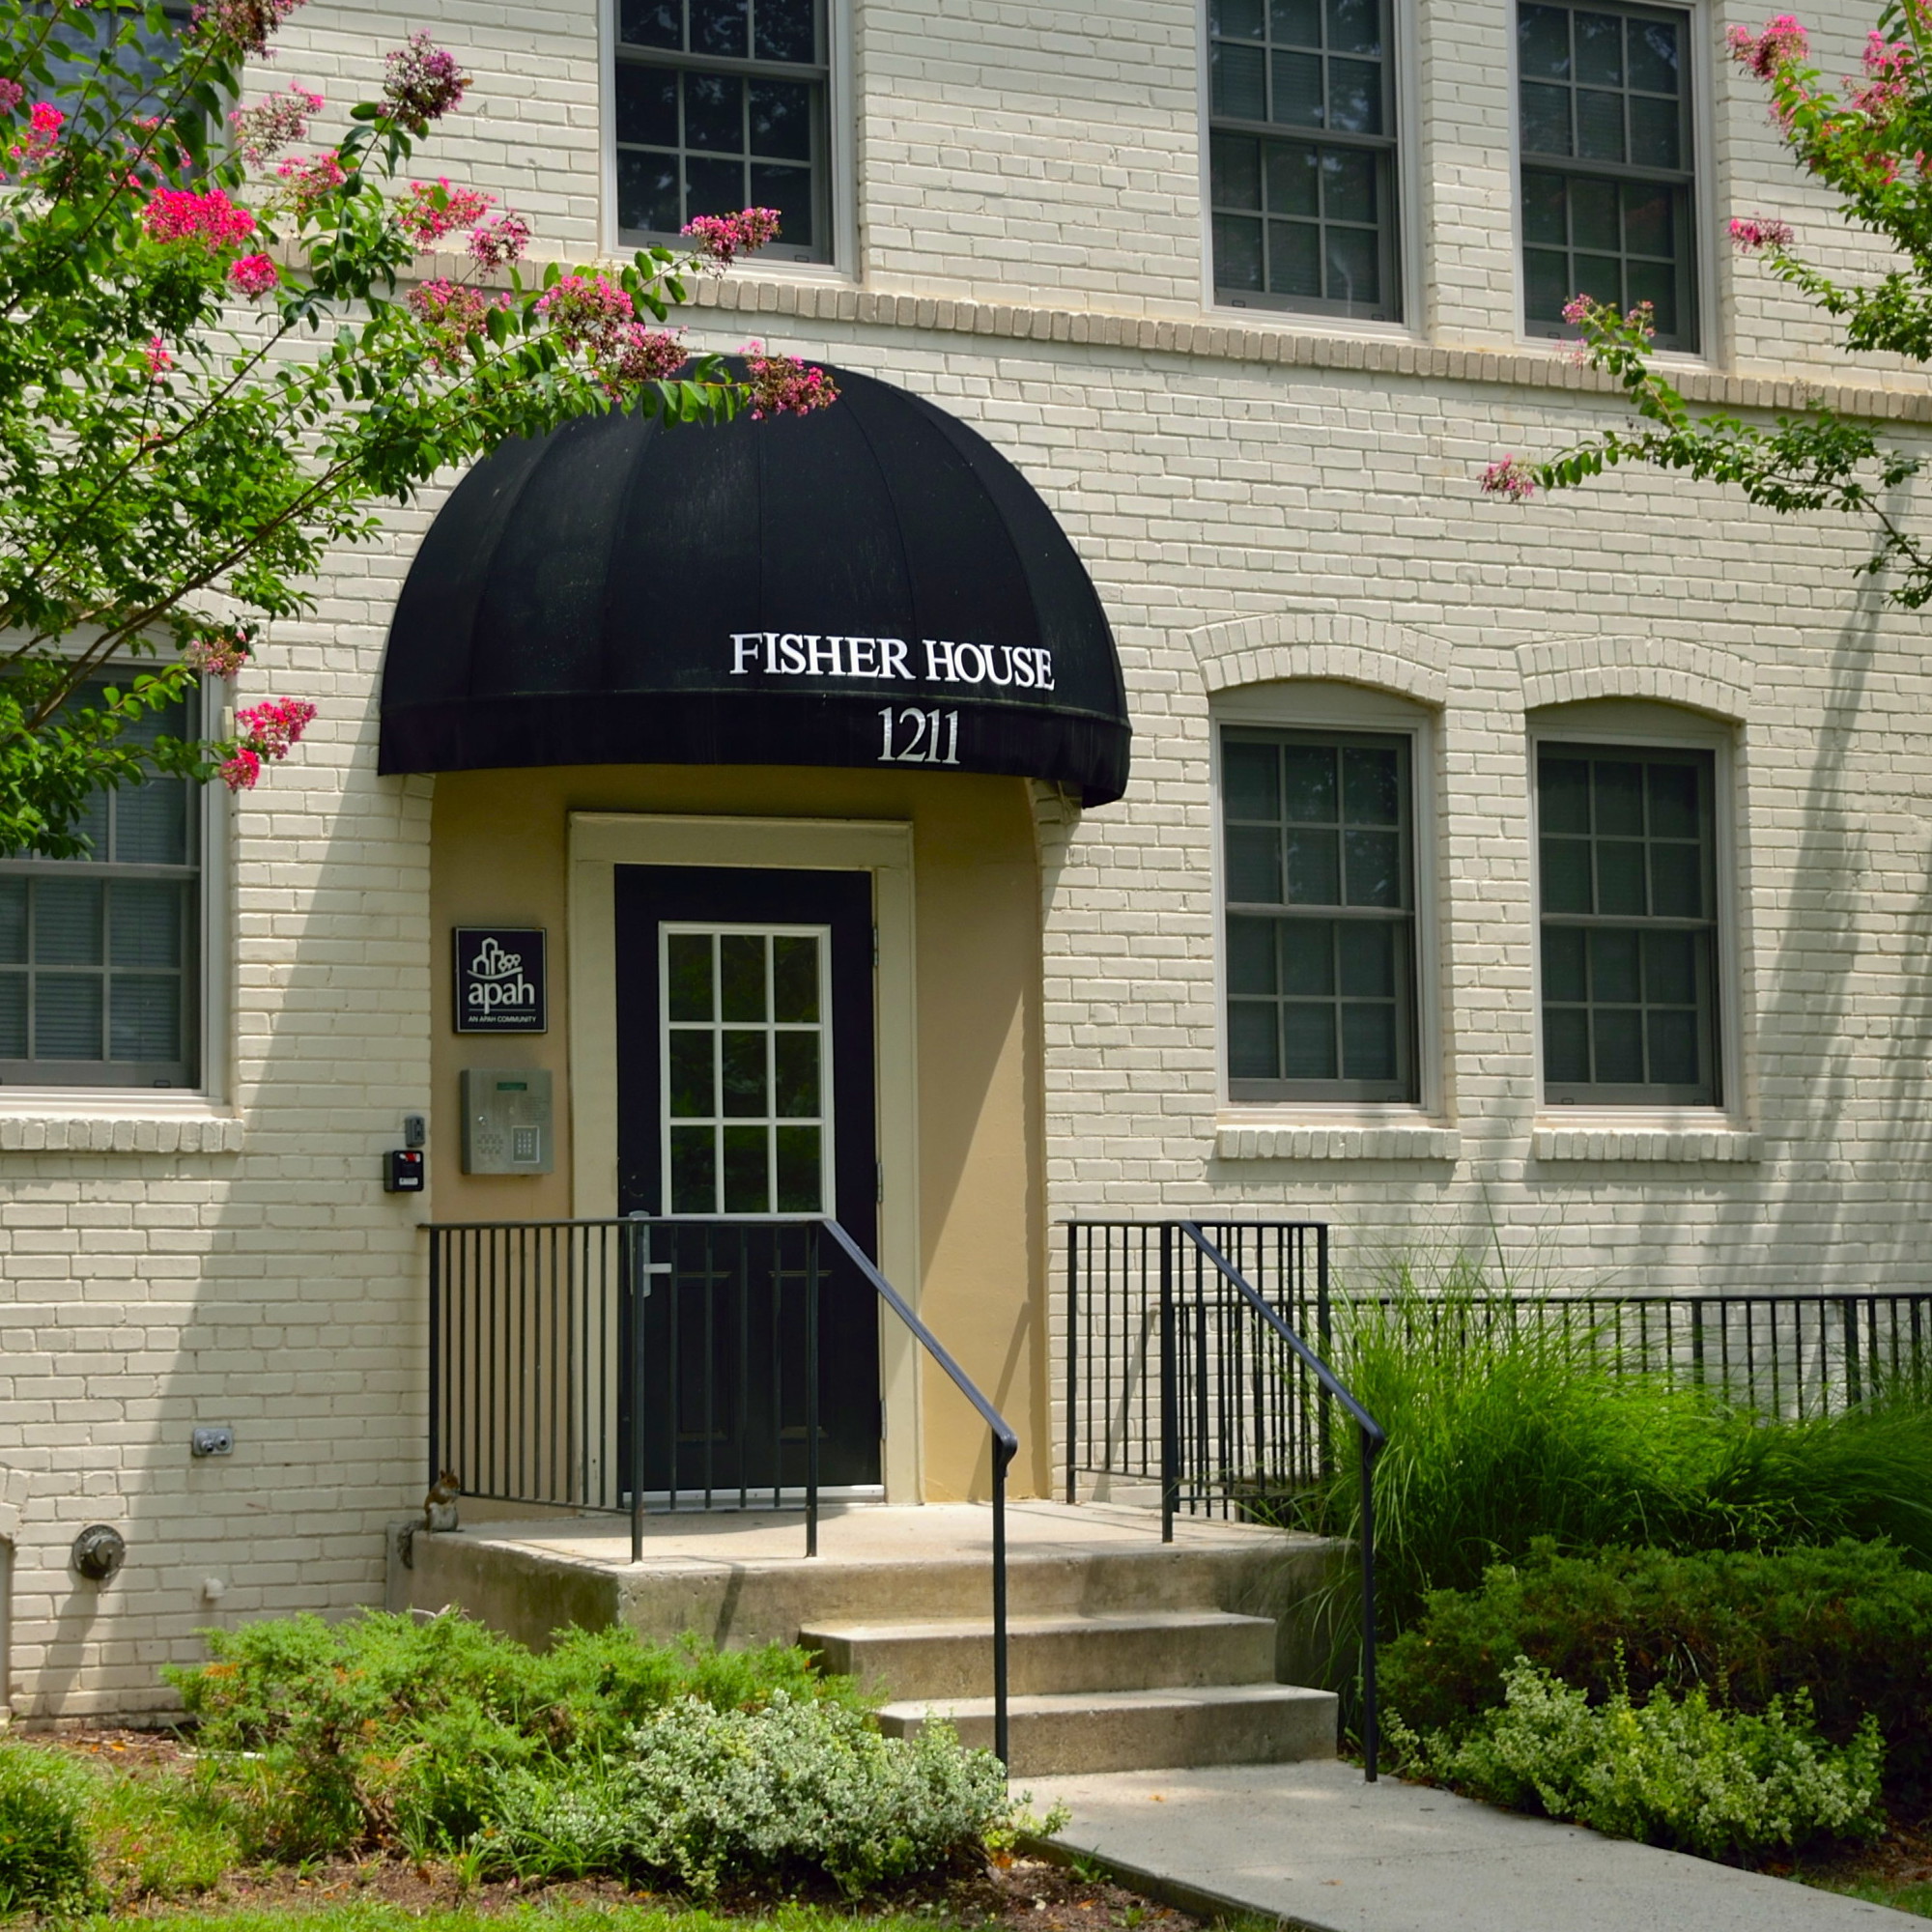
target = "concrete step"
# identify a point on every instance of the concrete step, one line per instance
(1140, 1730)
(1118, 1651)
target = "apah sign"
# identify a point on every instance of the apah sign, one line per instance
(499, 979)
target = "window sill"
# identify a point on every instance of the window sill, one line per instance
(1344, 1140)
(1633, 1141)
(53, 1122)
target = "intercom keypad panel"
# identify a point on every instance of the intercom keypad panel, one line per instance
(506, 1121)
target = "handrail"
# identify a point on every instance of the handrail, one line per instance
(1005, 1446)
(1374, 1438)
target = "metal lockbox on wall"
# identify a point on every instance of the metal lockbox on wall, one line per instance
(507, 1125)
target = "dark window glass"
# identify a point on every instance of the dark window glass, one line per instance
(1629, 926)
(1303, 224)
(1603, 109)
(720, 106)
(98, 957)
(1320, 933)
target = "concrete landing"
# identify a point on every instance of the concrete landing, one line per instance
(1313, 1846)
(743, 1577)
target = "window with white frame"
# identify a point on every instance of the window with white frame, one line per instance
(1628, 884)
(723, 104)
(1302, 149)
(1605, 126)
(100, 969)
(1319, 943)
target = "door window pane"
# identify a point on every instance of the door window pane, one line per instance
(744, 1124)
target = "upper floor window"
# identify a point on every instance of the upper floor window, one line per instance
(1319, 849)
(1302, 155)
(1607, 163)
(721, 104)
(1629, 929)
(99, 966)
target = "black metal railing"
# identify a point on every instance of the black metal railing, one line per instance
(602, 1365)
(1186, 1367)
(1788, 1356)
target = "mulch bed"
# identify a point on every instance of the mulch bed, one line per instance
(1009, 1893)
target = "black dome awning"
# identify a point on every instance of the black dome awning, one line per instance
(873, 584)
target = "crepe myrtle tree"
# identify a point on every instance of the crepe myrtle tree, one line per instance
(218, 356)
(1871, 142)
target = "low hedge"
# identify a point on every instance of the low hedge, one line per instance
(1849, 1623)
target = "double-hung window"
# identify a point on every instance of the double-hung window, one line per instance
(721, 104)
(98, 957)
(1629, 929)
(1318, 845)
(1608, 179)
(1302, 155)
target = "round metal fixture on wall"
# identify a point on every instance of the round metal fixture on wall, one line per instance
(872, 585)
(98, 1551)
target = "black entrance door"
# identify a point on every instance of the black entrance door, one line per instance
(745, 1045)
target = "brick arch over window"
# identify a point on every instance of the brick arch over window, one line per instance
(1354, 650)
(1571, 670)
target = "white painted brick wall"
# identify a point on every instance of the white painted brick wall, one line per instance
(1242, 517)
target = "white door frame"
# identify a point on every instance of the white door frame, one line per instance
(599, 841)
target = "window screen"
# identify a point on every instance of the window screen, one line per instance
(1320, 922)
(722, 105)
(1629, 926)
(98, 969)
(1305, 221)
(1605, 100)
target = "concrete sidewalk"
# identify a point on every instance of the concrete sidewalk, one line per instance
(1314, 1846)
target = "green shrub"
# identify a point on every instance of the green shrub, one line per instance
(774, 1792)
(47, 1859)
(1684, 1774)
(603, 1754)
(1851, 1623)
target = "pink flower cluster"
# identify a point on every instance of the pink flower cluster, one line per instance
(262, 131)
(307, 181)
(422, 83)
(43, 137)
(12, 93)
(1889, 67)
(722, 237)
(633, 353)
(270, 729)
(245, 25)
(253, 275)
(434, 208)
(782, 386)
(160, 359)
(1778, 43)
(1750, 233)
(584, 310)
(1509, 477)
(210, 218)
(496, 244)
(452, 312)
(220, 654)
(265, 730)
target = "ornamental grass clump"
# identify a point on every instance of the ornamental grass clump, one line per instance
(46, 1854)
(1684, 1774)
(1512, 1419)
